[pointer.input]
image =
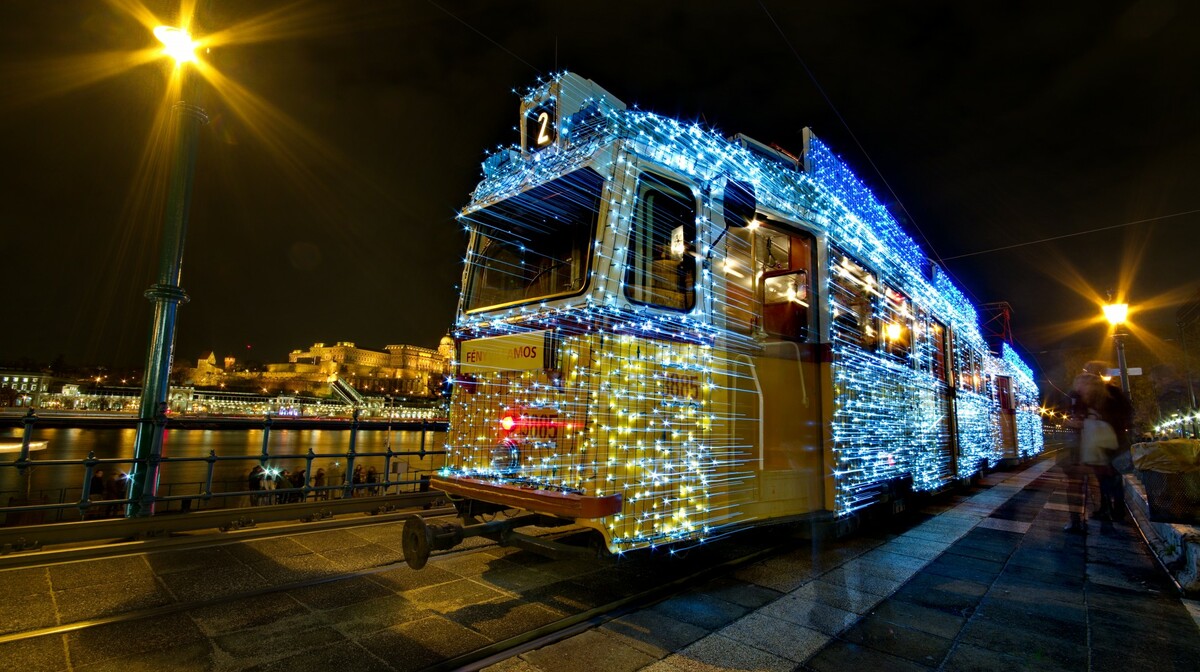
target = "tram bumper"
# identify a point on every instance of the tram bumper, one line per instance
(549, 502)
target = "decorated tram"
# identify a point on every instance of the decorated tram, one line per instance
(665, 335)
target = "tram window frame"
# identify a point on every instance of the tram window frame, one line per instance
(742, 308)
(896, 308)
(670, 250)
(855, 323)
(787, 284)
(939, 337)
(535, 246)
(974, 377)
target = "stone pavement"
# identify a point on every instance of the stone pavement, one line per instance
(990, 583)
(983, 579)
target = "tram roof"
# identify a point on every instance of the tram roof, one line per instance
(819, 188)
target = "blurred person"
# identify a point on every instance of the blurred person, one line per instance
(254, 483)
(372, 479)
(318, 484)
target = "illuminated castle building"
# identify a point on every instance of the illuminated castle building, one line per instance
(402, 370)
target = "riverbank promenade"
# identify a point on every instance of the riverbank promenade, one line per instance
(981, 579)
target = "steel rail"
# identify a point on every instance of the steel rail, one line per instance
(34, 536)
(177, 607)
(571, 625)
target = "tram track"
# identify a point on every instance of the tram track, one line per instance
(495, 651)
(596, 616)
(201, 543)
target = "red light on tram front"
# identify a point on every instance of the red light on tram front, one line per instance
(507, 423)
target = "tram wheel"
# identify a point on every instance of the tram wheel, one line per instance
(416, 540)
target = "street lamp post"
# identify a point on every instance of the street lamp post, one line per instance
(166, 292)
(1116, 313)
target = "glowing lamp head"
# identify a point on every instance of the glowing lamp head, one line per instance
(177, 43)
(1116, 313)
(893, 331)
(507, 423)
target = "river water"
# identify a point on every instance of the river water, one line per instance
(288, 449)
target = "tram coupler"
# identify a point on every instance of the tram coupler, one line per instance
(547, 547)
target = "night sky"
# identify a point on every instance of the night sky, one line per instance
(981, 125)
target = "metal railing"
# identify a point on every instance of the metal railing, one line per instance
(73, 503)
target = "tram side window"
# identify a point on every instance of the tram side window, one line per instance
(742, 308)
(971, 378)
(937, 341)
(897, 324)
(852, 296)
(784, 261)
(661, 264)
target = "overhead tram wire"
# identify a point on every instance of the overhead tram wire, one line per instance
(911, 220)
(484, 36)
(846, 126)
(1072, 235)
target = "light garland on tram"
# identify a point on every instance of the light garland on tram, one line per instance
(622, 430)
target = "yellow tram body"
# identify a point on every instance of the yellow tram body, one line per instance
(666, 336)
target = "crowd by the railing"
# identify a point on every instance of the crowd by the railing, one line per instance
(104, 488)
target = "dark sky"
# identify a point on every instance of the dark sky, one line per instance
(992, 124)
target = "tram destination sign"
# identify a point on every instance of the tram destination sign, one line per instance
(512, 352)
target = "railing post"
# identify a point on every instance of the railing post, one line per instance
(266, 438)
(212, 464)
(308, 474)
(348, 486)
(23, 458)
(387, 469)
(89, 468)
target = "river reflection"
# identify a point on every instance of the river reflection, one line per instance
(288, 449)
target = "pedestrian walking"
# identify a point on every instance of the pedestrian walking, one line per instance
(113, 490)
(357, 480)
(254, 483)
(1094, 410)
(372, 480)
(318, 484)
(283, 480)
(95, 494)
(298, 481)
(1118, 413)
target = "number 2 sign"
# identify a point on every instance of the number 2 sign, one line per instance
(541, 126)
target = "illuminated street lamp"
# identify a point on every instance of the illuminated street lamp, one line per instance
(166, 292)
(1116, 313)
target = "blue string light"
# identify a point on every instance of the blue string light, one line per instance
(641, 397)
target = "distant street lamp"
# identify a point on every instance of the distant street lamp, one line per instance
(1116, 313)
(166, 292)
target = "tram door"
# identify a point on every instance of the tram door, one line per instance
(769, 297)
(1008, 417)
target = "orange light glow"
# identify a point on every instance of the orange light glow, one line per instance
(177, 43)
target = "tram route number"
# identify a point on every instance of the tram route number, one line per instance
(681, 386)
(540, 126)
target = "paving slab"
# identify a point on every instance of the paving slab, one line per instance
(591, 651)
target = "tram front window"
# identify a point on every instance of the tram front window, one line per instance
(535, 245)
